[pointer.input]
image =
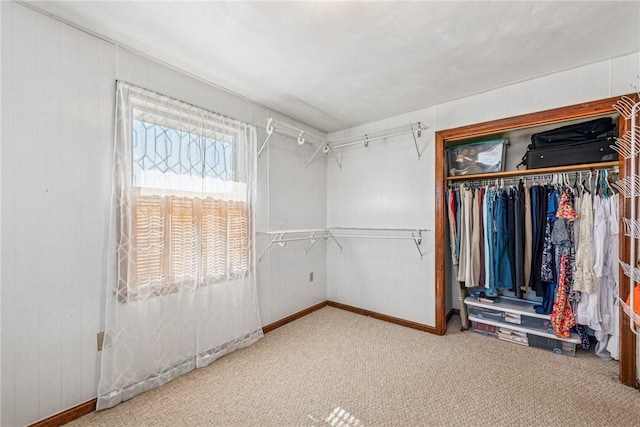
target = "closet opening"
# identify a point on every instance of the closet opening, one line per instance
(513, 135)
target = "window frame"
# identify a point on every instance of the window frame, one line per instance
(131, 286)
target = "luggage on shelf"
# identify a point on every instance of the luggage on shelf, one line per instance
(585, 142)
(593, 151)
(579, 132)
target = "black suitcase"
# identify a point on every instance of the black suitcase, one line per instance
(585, 131)
(593, 151)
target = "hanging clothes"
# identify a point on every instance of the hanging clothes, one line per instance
(476, 225)
(539, 202)
(480, 247)
(562, 316)
(606, 252)
(585, 279)
(528, 238)
(519, 239)
(501, 261)
(549, 239)
(548, 267)
(490, 242)
(464, 224)
(453, 226)
(511, 227)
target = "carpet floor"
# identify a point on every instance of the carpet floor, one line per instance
(337, 368)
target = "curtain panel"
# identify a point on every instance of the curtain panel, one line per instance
(181, 283)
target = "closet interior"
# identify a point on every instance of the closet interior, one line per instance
(551, 278)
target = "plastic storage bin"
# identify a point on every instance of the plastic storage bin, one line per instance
(477, 157)
(559, 347)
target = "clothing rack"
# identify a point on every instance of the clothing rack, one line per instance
(382, 233)
(630, 187)
(273, 126)
(282, 237)
(566, 178)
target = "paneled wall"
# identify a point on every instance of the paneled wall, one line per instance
(386, 186)
(383, 186)
(58, 91)
(58, 88)
(57, 103)
(291, 196)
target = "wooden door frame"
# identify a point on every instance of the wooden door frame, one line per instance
(578, 111)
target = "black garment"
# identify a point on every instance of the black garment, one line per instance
(519, 239)
(511, 226)
(542, 198)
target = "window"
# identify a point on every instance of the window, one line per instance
(189, 217)
(180, 272)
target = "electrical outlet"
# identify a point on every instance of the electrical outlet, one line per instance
(100, 337)
(311, 276)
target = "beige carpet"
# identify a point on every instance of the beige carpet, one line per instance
(334, 367)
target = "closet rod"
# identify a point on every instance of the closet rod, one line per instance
(287, 130)
(313, 235)
(416, 235)
(477, 180)
(374, 136)
(378, 229)
(540, 171)
(281, 238)
(309, 230)
(415, 129)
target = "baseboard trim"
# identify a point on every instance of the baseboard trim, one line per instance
(452, 312)
(67, 416)
(90, 406)
(385, 317)
(295, 316)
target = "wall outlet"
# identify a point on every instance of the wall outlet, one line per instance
(100, 337)
(311, 276)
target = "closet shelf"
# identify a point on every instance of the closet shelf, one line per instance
(508, 306)
(540, 171)
(281, 237)
(327, 147)
(415, 129)
(301, 136)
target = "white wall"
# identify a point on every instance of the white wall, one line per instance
(57, 115)
(1, 8)
(294, 197)
(383, 186)
(58, 89)
(386, 186)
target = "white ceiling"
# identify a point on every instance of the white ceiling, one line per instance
(335, 65)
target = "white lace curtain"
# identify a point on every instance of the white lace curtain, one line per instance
(181, 288)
